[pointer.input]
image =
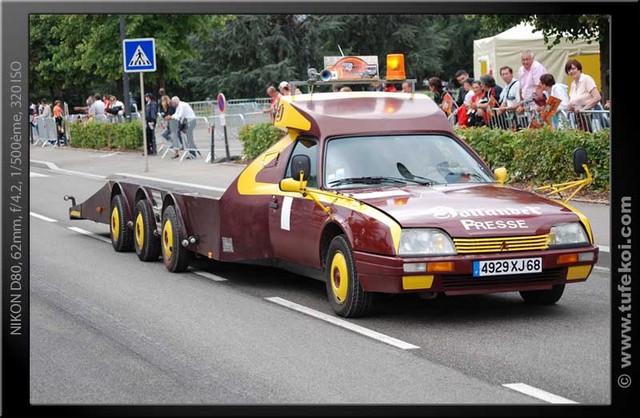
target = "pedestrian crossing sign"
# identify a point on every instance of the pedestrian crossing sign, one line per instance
(139, 55)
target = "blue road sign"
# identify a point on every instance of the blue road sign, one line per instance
(139, 55)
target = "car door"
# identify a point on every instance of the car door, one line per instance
(295, 222)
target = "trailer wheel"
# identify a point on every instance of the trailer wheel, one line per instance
(176, 258)
(543, 297)
(121, 236)
(343, 288)
(146, 243)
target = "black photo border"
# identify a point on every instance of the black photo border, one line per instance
(15, 181)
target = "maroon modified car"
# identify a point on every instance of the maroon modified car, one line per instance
(372, 193)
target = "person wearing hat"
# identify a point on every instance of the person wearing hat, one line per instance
(284, 88)
(150, 115)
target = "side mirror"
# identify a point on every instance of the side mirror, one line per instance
(501, 174)
(300, 164)
(292, 185)
(579, 159)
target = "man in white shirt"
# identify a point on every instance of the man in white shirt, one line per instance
(510, 95)
(97, 107)
(184, 112)
(529, 78)
(46, 109)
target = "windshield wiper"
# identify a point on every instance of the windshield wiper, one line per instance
(367, 180)
(412, 177)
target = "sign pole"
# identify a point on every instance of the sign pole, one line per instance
(222, 105)
(144, 124)
(223, 120)
(213, 135)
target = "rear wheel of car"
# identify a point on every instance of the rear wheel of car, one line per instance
(176, 258)
(146, 242)
(343, 288)
(543, 297)
(121, 236)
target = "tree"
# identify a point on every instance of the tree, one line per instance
(246, 55)
(81, 54)
(252, 51)
(72, 56)
(571, 27)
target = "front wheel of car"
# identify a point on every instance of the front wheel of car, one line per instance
(343, 288)
(543, 297)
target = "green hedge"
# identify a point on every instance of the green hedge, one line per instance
(258, 137)
(99, 135)
(542, 156)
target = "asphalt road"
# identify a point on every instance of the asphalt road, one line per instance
(107, 328)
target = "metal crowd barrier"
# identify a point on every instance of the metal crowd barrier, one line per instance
(588, 120)
(233, 106)
(45, 132)
(210, 136)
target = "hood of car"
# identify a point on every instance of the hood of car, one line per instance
(472, 210)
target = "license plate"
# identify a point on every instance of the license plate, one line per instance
(511, 266)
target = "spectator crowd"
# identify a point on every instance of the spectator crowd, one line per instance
(530, 100)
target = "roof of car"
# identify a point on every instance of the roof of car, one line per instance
(350, 113)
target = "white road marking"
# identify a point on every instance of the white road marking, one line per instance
(599, 268)
(53, 167)
(44, 218)
(344, 324)
(178, 183)
(50, 166)
(80, 173)
(89, 233)
(32, 174)
(109, 155)
(209, 276)
(538, 393)
(604, 248)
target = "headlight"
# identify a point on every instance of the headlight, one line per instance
(425, 242)
(569, 234)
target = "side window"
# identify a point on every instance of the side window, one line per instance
(306, 146)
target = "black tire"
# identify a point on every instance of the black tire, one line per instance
(543, 297)
(145, 241)
(175, 257)
(121, 235)
(343, 288)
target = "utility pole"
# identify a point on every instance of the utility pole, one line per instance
(125, 77)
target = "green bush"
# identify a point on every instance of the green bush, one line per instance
(98, 135)
(258, 137)
(542, 156)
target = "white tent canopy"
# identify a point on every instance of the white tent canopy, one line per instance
(490, 54)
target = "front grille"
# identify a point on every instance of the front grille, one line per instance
(501, 244)
(454, 282)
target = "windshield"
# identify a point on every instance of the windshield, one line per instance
(393, 160)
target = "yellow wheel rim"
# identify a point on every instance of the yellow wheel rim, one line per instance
(139, 230)
(339, 277)
(167, 239)
(115, 224)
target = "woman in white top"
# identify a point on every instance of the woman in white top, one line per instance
(584, 94)
(557, 90)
